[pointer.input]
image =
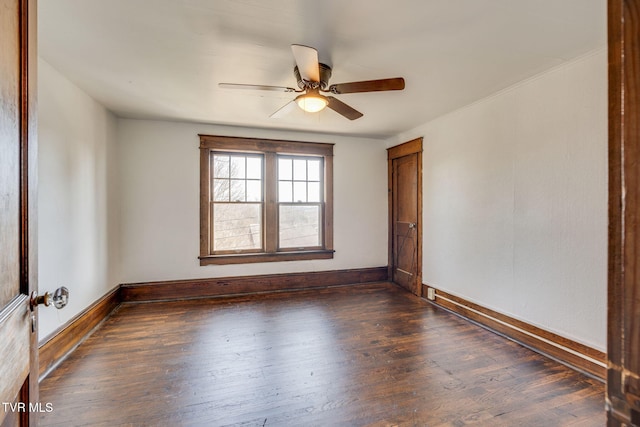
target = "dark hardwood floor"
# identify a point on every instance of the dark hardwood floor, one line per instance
(370, 355)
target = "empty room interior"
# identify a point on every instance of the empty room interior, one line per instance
(429, 248)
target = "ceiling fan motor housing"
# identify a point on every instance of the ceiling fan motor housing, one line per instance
(325, 75)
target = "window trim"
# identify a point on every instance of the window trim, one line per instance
(270, 148)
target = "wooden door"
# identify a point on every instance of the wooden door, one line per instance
(18, 335)
(623, 353)
(405, 211)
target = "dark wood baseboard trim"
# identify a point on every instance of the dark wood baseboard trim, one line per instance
(57, 345)
(227, 286)
(578, 356)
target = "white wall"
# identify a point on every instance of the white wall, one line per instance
(515, 200)
(159, 181)
(77, 203)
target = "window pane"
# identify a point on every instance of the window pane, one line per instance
(285, 191)
(221, 166)
(254, 167)
(300, 192)
(313, 170)
(237, 190)
(254, 191)
(300, 170)
(314, 192)
(284, 169)
(237, 226)
(220, 190)
(237, 167)
(299, 226)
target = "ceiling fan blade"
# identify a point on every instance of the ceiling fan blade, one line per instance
(342, 108)
(285, 110)
(396, 83)
(307, 61)
(256, 87)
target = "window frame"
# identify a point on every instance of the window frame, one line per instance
(270, 149)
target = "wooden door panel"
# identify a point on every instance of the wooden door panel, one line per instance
(406, 216)
(406, 182)
(406, 253)
(9, 151)
(18, 336)
(15, 326)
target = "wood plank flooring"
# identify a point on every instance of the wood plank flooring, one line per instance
(366, 355)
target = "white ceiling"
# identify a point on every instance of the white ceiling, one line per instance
(164, 58)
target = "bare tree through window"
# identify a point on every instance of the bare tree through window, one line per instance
(299, 200)
(237, 202)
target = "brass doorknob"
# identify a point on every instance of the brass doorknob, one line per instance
(60, 298)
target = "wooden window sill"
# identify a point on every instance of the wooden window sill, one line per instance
(265, 257)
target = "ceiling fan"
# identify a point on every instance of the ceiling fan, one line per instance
(313, 78)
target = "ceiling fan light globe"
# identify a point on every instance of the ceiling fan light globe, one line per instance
(312, 103)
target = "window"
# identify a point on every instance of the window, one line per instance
(299, 202)
(236, 196)
(264, 200)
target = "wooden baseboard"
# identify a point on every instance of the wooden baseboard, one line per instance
(57, 345)
(579, 356)
(226, 286)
